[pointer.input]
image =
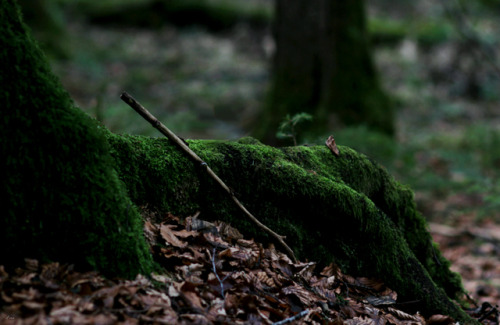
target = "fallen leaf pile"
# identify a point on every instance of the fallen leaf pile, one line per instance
(473, 251)
(212, 275)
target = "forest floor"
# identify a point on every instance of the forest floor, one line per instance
(214, 275)
(205, 85)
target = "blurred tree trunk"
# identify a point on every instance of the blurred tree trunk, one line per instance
(45, 18)
(323, 66)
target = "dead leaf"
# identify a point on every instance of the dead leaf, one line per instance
(201, 225)
(330, 143)
(229, 233)
(170, 237)
(441, 320)
(260, 286)
(306, 297)
(404, 316)
(150, 231)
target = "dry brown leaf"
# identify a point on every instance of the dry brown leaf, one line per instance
(183, 233)
(264, 278)
(193, 300)
(306, 297)
(195, 319)
(393, 319)
(259, 287)
(201, 225)
(150, 231)
(441, 320)
(330, 143)
(363, 320)
(404, 316)
(31, 264)
(331, 270)
(228, 233)
(66, 311)
(374, 284)
(170, 237)
(32, 305)
(306, 270)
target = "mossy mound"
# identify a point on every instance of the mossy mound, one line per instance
(345, 209)
(62, 198)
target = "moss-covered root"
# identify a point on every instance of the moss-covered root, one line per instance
(343, 209)
(62, 199)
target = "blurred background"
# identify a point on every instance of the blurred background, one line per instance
(205, 69)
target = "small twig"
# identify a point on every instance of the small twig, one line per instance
(216, 275)
(291, 319)
(173, 137)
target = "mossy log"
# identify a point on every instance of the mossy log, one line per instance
(347, 209)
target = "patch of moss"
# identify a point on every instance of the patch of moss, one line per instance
(144, 165)
(63, 200)
(346, 209)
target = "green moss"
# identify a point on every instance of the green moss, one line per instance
(143, 166)
(346, 209)
(62, 197)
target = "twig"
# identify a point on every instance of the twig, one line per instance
(173, 137)
(216, 275)
(291, 319)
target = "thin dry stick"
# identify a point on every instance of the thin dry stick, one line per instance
(221, 281)
(293, 318)
(173, 137)
(216, 275)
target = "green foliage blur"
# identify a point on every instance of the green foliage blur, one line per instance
(438, 60)
(289, 128)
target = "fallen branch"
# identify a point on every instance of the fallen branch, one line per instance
(174, 138)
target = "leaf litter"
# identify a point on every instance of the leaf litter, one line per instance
(211, 275)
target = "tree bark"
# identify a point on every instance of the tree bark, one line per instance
(323, 66)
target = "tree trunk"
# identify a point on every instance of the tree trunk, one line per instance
(62, 199)
(323, 66)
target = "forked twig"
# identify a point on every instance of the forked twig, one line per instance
(221, 281)
(174, 138)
